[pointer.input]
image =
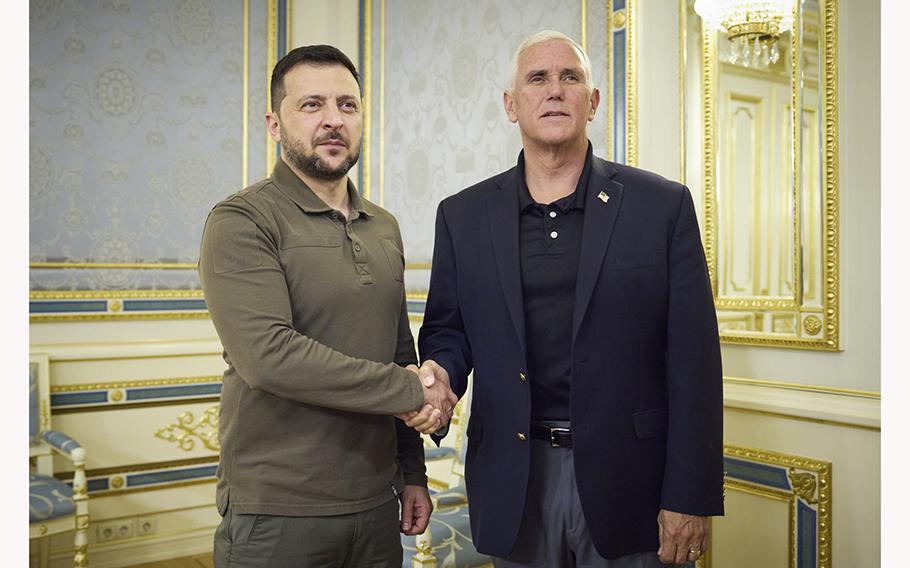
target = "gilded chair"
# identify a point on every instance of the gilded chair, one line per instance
(54, 506)
(447, 541)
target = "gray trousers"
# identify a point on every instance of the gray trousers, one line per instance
(369, 539)
(553, 531)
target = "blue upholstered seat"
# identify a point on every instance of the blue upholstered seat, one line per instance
(53, 506)
(434, 453)
(449, 544)
(48, 498)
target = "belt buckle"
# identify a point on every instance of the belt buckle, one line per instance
(553, 431)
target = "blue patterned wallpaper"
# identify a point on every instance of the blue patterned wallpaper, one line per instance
(135, 131)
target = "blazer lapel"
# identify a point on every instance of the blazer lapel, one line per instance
(502, 206)
(600, 217)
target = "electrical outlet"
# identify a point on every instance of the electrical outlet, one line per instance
(115, 530)
(146, 526)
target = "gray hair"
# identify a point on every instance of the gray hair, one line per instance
(541, 37)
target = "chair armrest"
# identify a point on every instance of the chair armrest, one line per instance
(443, 452)
(64, 445)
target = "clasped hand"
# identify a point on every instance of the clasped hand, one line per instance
(438, 399)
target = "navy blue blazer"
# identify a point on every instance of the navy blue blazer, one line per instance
(646, 399)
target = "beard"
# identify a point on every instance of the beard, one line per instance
(312, 164)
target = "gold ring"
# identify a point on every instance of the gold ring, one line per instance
(694, 551)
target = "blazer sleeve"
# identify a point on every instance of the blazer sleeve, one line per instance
(247, 297)
(442, 336)
(693, 477)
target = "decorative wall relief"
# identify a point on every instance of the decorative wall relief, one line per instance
(187, 431)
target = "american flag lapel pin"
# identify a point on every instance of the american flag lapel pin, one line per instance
(603, 197)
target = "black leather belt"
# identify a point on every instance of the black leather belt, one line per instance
(557, 436)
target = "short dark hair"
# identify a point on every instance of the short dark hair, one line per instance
(319, 55)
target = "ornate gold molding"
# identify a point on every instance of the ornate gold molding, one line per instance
(804, 485)
(366, 74)
(107, 294)
(270, 61)
(116, 265)
(136, 383)
(187, 431)
(832, 191)
(813, 332)
(631, 83)
(815, 493)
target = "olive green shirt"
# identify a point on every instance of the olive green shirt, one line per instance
(311, 312)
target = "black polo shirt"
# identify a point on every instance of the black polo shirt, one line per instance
(549, 244)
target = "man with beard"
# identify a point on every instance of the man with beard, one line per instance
(304, 282)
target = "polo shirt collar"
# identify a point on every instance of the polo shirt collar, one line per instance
(575, 200)
(300, 193)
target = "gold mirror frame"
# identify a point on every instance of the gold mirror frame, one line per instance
(816, 327)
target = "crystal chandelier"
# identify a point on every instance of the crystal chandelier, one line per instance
(752, 26)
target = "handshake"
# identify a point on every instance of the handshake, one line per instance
(438, 399)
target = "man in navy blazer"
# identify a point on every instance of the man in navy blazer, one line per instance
(577, 291)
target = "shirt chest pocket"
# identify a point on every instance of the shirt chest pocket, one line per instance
(395, 257)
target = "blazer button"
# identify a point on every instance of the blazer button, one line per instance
(522, 437)
(523, 377)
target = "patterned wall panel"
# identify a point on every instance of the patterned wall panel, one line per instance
(142, 116)
(435, 75)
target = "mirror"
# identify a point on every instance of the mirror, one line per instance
(760, 154)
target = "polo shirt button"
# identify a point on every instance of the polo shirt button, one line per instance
(554, 234)
(356, 248)
(552, 214)
(522, 437)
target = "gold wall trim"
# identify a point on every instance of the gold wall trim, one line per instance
(683, 36)
(367, 74)
(382, 103)
(584, 25)
(270, 61)
(796, 121)
(632, 83)
(609, 97)
(139, 467)
(819, 470)
(245, 110)
(182, 402)
(758, 490)
(69, 318)
(806, 388)
(708, 53)
(821, 421)
(104, 294)
(117, 265)
(832, 191)
(135, 357)
(134, 384)
(175, 485)
(754, 303)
